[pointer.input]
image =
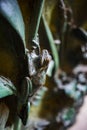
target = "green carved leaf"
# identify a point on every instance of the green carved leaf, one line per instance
(6, 87)
(11, 11)
(51, 42)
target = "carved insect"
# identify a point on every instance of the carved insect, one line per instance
(16, 62)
